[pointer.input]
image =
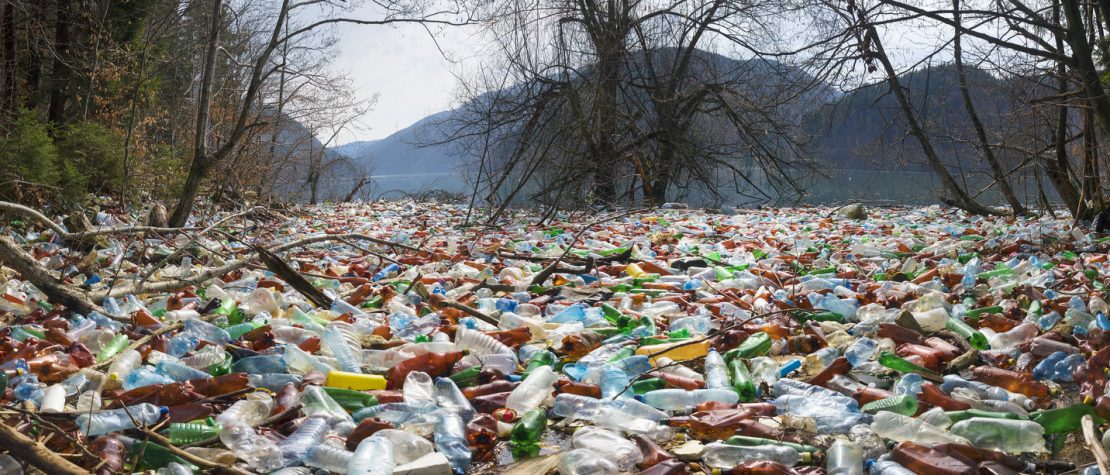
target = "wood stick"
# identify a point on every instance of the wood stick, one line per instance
(26, 449)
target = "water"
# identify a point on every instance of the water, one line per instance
(836, 186)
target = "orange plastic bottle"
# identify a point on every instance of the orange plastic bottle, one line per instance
(1011, 381)
(435, 364)
(922, 459)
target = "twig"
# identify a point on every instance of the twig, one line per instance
(1093, 441)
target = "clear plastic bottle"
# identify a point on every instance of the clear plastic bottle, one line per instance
(716, 375)
(407, 446)
(844, 458)
(1007, 435)
(310, 433)
(725, 456)
(88, 401)
(257, 451)
(250, 412)
(667, 365)
(861, 351)
(903, 428)
(450, 440)
(124, 364)
(53, 399)
(100, 423)
(611, 445)
(586, 462)
(418, 388)
(316, 402)
(532, 391)
(179, 372)
(449, 397)
(348, 360)
(328, 457)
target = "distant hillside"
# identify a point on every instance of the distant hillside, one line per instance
(298, 153)
(861, 129)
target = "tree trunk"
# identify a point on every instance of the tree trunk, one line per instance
(980, 132)
(201, 159)
(959, 196)
(11, 75)
(1058, 169)
(59, 72)
(59, 292)
(1083, 62)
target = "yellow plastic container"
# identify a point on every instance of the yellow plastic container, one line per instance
(675, 351)
(356, 381)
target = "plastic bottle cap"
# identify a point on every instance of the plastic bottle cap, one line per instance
(163, 410)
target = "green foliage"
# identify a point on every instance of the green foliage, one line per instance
(82, 157)
(91, 157)
(28, 153)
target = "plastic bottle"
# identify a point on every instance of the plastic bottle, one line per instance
(327, 457)
(861, 351)
(99, 423)
(407, 446)
(310, 433)
(374, 456)
(532, 391)
(844, 458)
(1013, 436)
(586, 462)
(449, 397)
(335, 341)
(526, 433)
(182, 433)
(724, 456)
(716, 375)
(609, 444)
(53, 399)
(901, 428)
(450, 440)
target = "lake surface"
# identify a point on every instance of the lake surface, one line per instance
(835, 186)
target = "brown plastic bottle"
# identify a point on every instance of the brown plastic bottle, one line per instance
(189, 412)
(579, 344)
(676, 381)
(997, 322)
(838, 366)
(666, 467)
(498, 386)
(285, 398)
(512, 338)
(712, 425)
(582, 389)
(435, 364)
(1102, 407)
(933, 395)
(930, 357)
(995, 468)
(652, 452)
(365, 429)
(922, 459)
(865, 394)
(481, 433)
(979, 455)
(1011, 381)
(944, 349)
(900, 335)
(220, 385)
(111, 453)
(762, 467)
(490, 402)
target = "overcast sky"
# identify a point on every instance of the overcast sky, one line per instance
(412, 75)
(403, 67)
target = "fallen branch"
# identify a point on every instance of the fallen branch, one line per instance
(59, 292)
(28, 450)
(291, 277)
(1095, 443)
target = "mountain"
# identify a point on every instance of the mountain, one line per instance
(860, 130)
(301, 162)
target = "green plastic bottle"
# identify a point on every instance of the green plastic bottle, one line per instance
(957, 416)
(541, 358)
(904, 404)
(899, 364)
(526, 433)
(757, 344)
(748, 441)
(155, 456)
(1065, 419)
(221, 368)
(975, 312)
(116, 345)
(351, 400)
(742, 380)
(467, 377)
(644, 385)
(973, 336)
(182, 433)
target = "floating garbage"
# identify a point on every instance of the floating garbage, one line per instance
(388, 338)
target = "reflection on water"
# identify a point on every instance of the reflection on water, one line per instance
(836, 186)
